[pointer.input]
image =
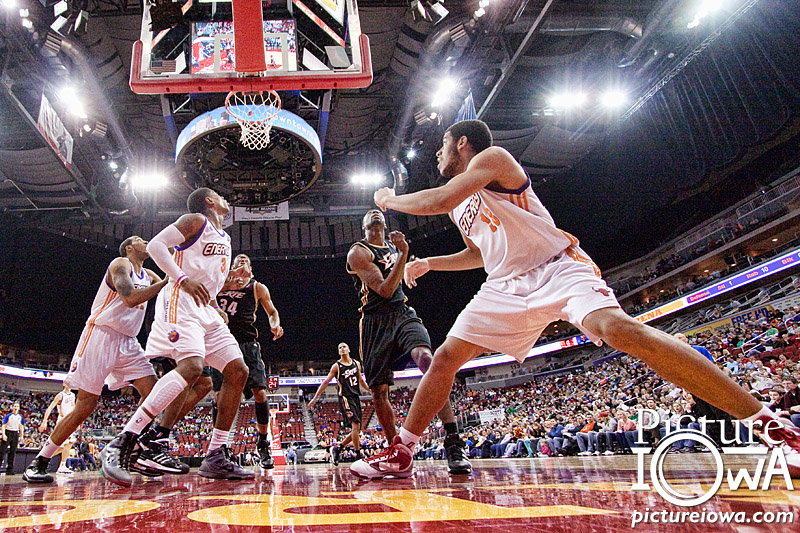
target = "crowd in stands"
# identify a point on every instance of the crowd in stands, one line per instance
(597, 412)
(591, 412)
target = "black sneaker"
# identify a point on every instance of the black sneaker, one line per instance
(335, 454)
(265, 460)
(115, 459)
(145, 471)
(457, 460)
(154, 455)
(37, 471)
(218, 465)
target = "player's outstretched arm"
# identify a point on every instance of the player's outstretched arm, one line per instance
(493, 165)
(322, 386)
(467, 259)
(265, 299)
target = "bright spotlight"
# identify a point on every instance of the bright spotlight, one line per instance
(567, 100)
(23, 13)
(148, 181)
(113, 165)
(479, 12)
(443, 92)
(367, 179)
(27, 23)
(9, 4)
(411, 153)
(612, 99)
(706, 7)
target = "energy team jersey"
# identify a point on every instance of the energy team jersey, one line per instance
(206, 259)
(513, 230)
(347, 379)
(109, 311)
(241, 305)
(67, 404)
(384, 257)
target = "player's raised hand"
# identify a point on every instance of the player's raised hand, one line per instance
(399, 241)
(381, 195)
(312, 403)
(277, 333)
(414, 269)
(197, 291)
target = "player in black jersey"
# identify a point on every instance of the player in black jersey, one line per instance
(239, 299)
(391, 332)
(348, 377)
(238, 303)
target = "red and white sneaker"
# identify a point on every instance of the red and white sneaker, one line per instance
(791, 442)
(395, 461)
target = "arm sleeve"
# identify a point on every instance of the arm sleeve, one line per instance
(158, 248)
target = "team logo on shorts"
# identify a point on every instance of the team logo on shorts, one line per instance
(173, 336)
(602, 290)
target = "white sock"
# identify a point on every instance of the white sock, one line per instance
(49, 449)
(164, 392)
(409, 439)
(218, 438)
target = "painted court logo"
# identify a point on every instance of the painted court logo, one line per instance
(755, 478)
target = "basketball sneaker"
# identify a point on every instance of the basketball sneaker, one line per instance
(396, 460)
(154, 455)
(218, 465)
(37, 471)
(791, 440)
(115, 459)
(457, 459)
(145, 471)
(265, 460)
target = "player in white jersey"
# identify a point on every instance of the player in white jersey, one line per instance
(108, 352)
(536, 274)
(64, 403)
(188, 327)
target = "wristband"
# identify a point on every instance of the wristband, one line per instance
(180, 279)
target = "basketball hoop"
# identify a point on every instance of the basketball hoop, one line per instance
(255, 112)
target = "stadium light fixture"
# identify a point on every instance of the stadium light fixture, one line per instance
(24, 13)
(613, 99)
(567, 100)
(706, 7)
(443, 92)
(410, 154)
(366, 179)
(60, 7)
(113, 165)
(9, 4)
(148, 181)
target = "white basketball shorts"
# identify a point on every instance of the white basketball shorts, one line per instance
(183, 329)
(106, 356)
(508, 316)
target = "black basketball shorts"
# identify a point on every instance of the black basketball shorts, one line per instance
(351, 409)
(387, 340)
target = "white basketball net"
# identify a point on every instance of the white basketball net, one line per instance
(255, 112)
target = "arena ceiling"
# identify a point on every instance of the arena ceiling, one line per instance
(696, 104)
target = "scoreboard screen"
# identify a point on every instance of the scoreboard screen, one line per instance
(273, 382)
